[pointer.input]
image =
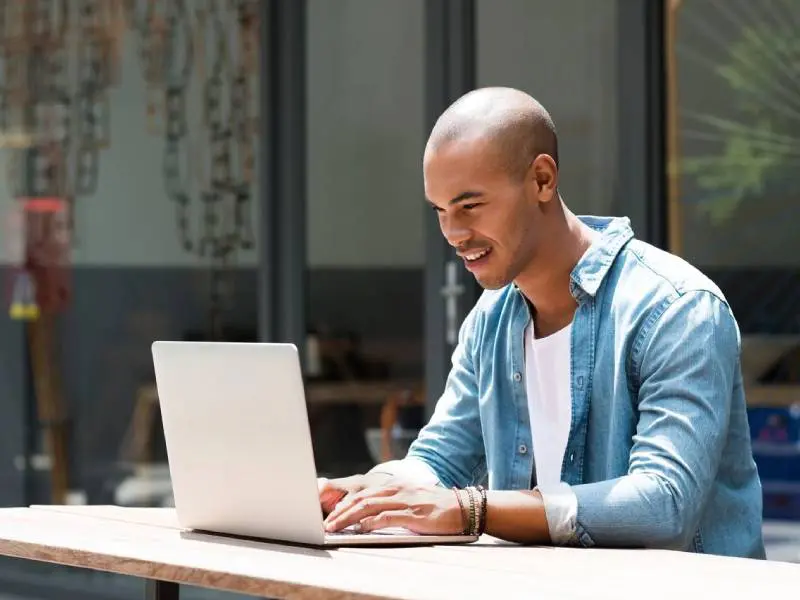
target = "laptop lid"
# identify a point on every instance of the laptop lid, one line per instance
(238, 440)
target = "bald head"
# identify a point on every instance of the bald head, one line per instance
(516, 125)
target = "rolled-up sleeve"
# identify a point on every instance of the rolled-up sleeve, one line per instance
(561, 511)
(687, 361)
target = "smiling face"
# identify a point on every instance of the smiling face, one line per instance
(495, 219)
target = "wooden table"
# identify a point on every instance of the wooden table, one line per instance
(147, 543)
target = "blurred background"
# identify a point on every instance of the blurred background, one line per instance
(251, 170)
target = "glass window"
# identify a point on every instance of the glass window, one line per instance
(734, 129)
(127, 198)
(128, 202)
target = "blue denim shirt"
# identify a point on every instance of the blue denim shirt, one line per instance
(659, 452)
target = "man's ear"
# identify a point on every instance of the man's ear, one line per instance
(544, 173)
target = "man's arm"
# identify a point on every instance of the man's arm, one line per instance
(449, 450)
(687, 365)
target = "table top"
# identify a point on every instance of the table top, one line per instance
(147, 542)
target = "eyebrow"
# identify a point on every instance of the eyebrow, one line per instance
(468, 195)
(465, 196)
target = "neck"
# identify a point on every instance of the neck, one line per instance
(546, 281)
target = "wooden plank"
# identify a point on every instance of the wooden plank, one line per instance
(772, 396)
(244, 566)
(358, 392)
(126, 536)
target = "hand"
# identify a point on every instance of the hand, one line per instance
(425, 510)
(332, 491)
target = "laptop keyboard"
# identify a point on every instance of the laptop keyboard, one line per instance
(386, 531)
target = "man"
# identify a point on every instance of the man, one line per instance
(596, 384)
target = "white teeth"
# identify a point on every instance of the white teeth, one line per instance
(477, 255)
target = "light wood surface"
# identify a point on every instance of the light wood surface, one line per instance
(148, 543)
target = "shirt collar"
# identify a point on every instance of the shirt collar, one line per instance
(593, 266)
(595, 263)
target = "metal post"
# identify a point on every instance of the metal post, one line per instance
(642, 135)
(161, 590)
(450, 72)
(282, 264)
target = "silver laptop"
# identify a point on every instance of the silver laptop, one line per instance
(239, 445)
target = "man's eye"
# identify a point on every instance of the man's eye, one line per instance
(471, 206)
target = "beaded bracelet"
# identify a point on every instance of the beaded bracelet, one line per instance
(482, 527)
(464, 525)
(473, 509)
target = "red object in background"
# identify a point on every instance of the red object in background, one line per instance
(40, 227)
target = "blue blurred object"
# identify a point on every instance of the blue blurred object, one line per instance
(776, 448)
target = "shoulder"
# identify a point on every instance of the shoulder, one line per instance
(667, 274)
(679, 307)
(648, 283)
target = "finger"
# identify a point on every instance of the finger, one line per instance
(329, 494)
(388, 518)
(330, 498)
(351, 500)
(366, 508)
(332, 491)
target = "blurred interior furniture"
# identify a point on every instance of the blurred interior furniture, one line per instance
(771, 370)
(49, 398)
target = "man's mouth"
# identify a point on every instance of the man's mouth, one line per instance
(475, 258)
(475, 255)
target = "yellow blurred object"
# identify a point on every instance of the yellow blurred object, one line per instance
(23, 300)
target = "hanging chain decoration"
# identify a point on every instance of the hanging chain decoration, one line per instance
(206, 50)
(58, 60)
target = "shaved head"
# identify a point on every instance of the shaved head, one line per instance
(518, 128)
(491, 174)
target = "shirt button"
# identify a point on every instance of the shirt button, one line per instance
(523, 449)
(571, 457)
(517, 376)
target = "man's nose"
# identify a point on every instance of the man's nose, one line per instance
(456, 235)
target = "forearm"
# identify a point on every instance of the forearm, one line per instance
(517, 516)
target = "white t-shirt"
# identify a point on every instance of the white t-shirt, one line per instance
(547, 382)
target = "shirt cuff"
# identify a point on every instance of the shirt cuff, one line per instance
(409, 468)
(561, 510)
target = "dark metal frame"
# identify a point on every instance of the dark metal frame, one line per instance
(161, 590)
(450, 43)
(282, 264)
(641, 104)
